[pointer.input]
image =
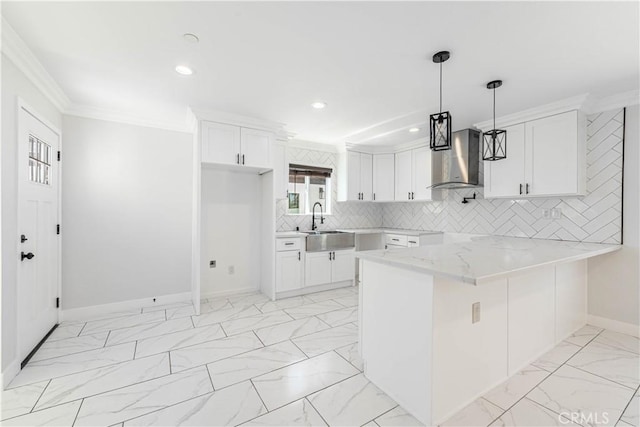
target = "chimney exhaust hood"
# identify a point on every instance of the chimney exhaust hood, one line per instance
(459, 166)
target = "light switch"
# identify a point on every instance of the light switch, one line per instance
(212, 264)
(475, 312)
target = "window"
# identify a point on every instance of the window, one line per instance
(308, 185)
(39, 161)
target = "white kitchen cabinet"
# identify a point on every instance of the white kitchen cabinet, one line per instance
(289, 271)
(233, 145)
(383, 177)
(366, 176)
(413, 174)
(359, 177)
(329, 267)
(281, 171)
(545, 157)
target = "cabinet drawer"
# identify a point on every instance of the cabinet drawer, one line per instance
(291, 244)
(396, 239)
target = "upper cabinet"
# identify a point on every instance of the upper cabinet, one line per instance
(358, 170)
(234, 145)
(545, 157)
(383, 177)
(413, 174)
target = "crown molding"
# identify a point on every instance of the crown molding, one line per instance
(17, 51)
(239, 120)
(314, 146)
(97, 113)
(620, 100)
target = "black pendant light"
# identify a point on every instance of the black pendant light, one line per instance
(440, 123)
(495, 140)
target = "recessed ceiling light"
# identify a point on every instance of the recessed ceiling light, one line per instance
(184, 70)
(190, 38)
(319, 105)
(414, 130)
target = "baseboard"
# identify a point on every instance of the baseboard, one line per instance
(217, 294)
(83, 313)
(313, 289)
(9, 373)
(614, 325)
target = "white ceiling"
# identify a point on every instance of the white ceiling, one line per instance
(370, 61)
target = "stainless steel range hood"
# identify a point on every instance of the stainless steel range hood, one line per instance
(458, 167)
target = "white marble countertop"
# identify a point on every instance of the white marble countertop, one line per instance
(284, 234)
(486, 258)
(389, 230)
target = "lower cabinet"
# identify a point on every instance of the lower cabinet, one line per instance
(329, 267)
(289, 271)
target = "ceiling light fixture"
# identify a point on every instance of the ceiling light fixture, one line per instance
(414, 130)
(440, 123)
(190, 38)
(184, 70)
(319, 105)
(495, 140)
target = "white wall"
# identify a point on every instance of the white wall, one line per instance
(231, 231)
(14, 85)
(126, 212)
(614, 279)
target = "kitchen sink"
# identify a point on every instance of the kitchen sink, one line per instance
(329, 240)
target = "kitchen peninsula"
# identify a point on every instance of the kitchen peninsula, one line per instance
(442, 324)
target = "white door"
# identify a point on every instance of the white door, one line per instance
(353, 175)
(317, 268)
(421, 169)
(383, 177)
(37, 239)
(505, 178)
(403, 176)
(288, 270)
(343, 266)
(220, 143)
(255, 148)
(366, 176)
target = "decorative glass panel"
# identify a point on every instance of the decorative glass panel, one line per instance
(39, 161)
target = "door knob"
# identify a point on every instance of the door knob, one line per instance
(27, 256)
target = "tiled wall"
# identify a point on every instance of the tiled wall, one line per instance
(344, 214)
(595, 217)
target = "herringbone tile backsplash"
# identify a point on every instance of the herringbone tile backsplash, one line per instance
(596, 217)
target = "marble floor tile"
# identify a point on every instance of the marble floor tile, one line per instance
(70, 346)
(166, 306)
(123, 313)
(293, 329)
(62, 415)
(293, 382)
(334, 293)
(631, 414)
(100, 380)
(313, 309)
(348, 301)
(253, 363)
(211, 351)
(65, 365)
(247, 299)
(621, 423)
(269, 306)
(64, 331)
(237, 326)
(480, 412)
(350, 352)
(299, 413)
(618, 340)
(397, 417)
(229, 407)
(339, 317)
(147, 330)
(517, 386)
(353, 401)
(529, 413)
(20, 400)
(224, 315)
(327, 340)
(609, 362)
(177, 313)
(143, 398)
(122, 322)
(175, 340)
(215, 305)
(571, 390)
(583, 335)
(555, 357)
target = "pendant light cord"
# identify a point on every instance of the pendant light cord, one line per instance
(494, 108)
(441, 88)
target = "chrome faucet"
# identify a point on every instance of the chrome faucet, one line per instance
(313, 216)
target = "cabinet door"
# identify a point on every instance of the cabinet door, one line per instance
(383, 177)
(255, 148)
(504, 178)
(366, 176)
(552, 152)
(220, 143)
(403, 176)
(343, 267)
(353, 175)
(421, 173)
(317, 268)
(288, 271)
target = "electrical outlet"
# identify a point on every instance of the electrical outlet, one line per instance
(546, 213)
(475, 312)
(231, 269)
(212, 264)
(556, 213)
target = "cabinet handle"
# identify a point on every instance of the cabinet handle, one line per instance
(520, 188)
(288, 243)
(409, 195)
(412, 196)
(412, 241)
(298, 255)
(396, 240)
(238, 158)
(527, 186)
(243, 159)
(374, 196)
(329, 256)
